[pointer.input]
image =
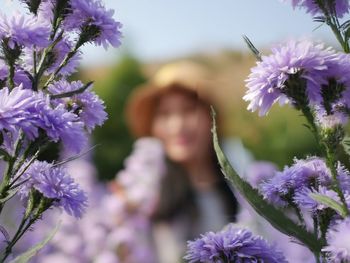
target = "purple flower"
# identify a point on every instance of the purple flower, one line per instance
(91, 15)
(303, 173)
(54, 183)
(60, 124)
(20, 76)
(87, 104)
(304, 200)
(343, 176)
(232, 245)
(338, 239)
(16, 111)
(23, 31)
(311, 6)
(266, 82)
(45, 11)
(143, 171)
(330, 121)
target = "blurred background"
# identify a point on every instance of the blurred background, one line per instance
(210, 32)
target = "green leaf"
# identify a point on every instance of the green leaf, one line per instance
(26, 256)
(252, 48)
(276, 217)
(329, 202)
(71, 93)
(9, 195)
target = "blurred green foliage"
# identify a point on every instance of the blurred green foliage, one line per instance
(113, 138)
(278, 137)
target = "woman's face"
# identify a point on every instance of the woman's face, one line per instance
(183, 123)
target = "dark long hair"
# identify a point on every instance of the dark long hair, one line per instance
(177, 195)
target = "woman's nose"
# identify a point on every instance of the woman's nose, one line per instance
(176, 123)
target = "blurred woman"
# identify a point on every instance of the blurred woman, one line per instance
(194, 197)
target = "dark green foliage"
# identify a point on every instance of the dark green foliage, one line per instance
(113, 137)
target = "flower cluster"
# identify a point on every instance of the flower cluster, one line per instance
(30, 111)
(122, 234)
(22, 31)
(39, 50)
(296, 185)
(232, 245)
(308, 201)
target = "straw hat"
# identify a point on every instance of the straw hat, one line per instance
(184, 75)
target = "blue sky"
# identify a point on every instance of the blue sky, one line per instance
(163, 29)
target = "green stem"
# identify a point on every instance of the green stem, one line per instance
(333, 22)
(4, 187)
(339, 36)
(5, 184)
(41, 67)
(11, 75)
(11, 185)
(34, 84)
(22, 228)
(20, 232)
(331, 163)
(298, 213)
(63, 64)
(315, 223)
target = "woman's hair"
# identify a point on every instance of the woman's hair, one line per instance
(177, 195)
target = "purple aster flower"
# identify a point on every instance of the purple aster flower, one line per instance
(341, 6)
(20, 76)
(342, 70)
(338, 239)
(330, 121)
(303, 173)
(304, 200)
(266, 82)
(54, 183)
(61, 124)
(343, 176)
(91, 15)
(232, 245)
(45, 11)
(16, 111)
(87, 104)
(24, 31)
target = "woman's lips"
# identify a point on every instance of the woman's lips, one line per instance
(182, 140)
